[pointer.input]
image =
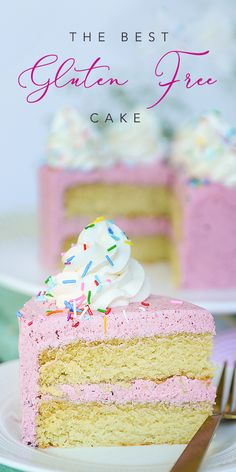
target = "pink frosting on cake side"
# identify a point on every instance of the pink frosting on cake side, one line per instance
(175, 390)
(38, 331)
(56, 227)
(207, 246)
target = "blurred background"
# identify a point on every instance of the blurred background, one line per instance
(29, 30)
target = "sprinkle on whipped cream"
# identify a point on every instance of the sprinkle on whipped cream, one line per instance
(99, 273)
(75, 144)
(206, 151)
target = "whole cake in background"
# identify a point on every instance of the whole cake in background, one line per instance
(181, 209)
(118, 172)
(103, 362)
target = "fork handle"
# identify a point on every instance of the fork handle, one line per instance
(193, 454)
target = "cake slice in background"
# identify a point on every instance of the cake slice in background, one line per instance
(103, 362)
(181, 210)
(204, 210)
(119, 172)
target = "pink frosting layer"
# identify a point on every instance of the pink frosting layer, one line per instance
(157, 172)
(207, 246)
(162, 316)
(55, 227)
(175, 390)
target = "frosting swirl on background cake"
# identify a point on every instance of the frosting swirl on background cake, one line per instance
(74, 143)
(136, 143)
(99, 271)
(206, 149)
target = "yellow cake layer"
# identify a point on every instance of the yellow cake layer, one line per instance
(177, 230)
(114, 425)
(175, 265)
(156, 357)
(145, 249)
(117, 200)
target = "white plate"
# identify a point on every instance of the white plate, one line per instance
(20, 270)
(221, 455)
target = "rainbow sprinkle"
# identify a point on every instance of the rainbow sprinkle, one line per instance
(99, 218)
(109, 260)
(130, 243)
(87, 268)
(125, 316)
(69, 259)
(74, 308)
(115, 237)
(105, 325)
(76, 324)
(79, 300)
(89, 297)
(53, 312)
(69, 281)
(89, 226)
(68, 305)
(112, 247)
(90, 311)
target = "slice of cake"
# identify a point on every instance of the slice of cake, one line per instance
(119, 173)
(103, 362)
(204, 210)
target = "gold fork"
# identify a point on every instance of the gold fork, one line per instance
(192, 456)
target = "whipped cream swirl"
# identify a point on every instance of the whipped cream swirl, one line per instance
(72, 143)
(99, 271)
(136, 143)
(75, 144)
(206, 149)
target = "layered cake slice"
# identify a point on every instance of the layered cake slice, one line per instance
(103, 362)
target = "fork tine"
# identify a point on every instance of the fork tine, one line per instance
(229, 404)
(220, 390)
